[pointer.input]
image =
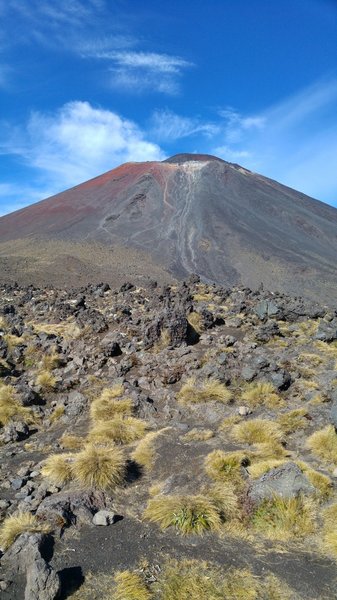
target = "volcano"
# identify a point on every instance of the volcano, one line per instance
(191, 213)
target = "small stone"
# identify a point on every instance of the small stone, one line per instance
(4, 585)
(104, 517)
(17, 484)
(334, 472)
(244, 411)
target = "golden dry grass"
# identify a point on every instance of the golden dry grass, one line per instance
(10, 407)
(145, 452)
(198, 435)
(258, 431)
(120, 430)
(261, 393)
(99, 467)
(211, 390)
(329, 538)
(318, 398)
(49, 361)
(323, 444)
(226, 466)
(196, 321)
(256, 469)
(227, 423)
(57, 468)
(185, 579)
(18, 523)
(130, 586)
(13, 340)
(107, 406)
(71, 442)
(225, 499)
(293, 420)
(285, 518)
(69, 330)
(57, 413)
(321, 482)
(188, 514)
(46, 380)
(309, 358)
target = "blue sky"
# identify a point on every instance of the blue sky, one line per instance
(88, 84)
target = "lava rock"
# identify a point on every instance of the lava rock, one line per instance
(286, 481)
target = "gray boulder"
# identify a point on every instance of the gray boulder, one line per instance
(43, 583)
(333, 414)
(326, 332)
(286, 481)
(267, 308)
(104, 517)
(70, 508)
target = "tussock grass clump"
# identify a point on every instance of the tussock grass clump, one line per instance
(118, 430)
(285, 518)
(225, 499)
(130, 586)
(323, 444)
(12, 340)
(329, 541)
(270, 450)
(57, 468)
(261, 393)
(207, 391)
(99, 468)
(188, 514)
(196, 321)
(263, 466)
(186, 579)
(69, 330)
(226, 466)
(71, 442)
(57, 413)
(258, 431)
(105, 408)
(293, 420)
(3, 324)
(198, 435)
(145, 452)
(46, 380)
(228, 422)
(10, 406)
(309, 358)
(50, 361)
(19, 523)
(320, 481)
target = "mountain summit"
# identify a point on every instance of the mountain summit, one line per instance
(190, 213)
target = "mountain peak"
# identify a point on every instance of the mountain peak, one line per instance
(181, 158)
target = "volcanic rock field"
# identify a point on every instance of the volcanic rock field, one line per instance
(167, 442)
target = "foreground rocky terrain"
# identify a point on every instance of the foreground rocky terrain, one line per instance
(148, 431)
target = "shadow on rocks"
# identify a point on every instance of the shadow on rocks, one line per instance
(133, 471)
(71, 580)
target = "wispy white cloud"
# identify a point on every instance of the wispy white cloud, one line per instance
(84, 28)
(294, 142)
(74, 144)
(139, 71)
(161, 63)
(165, 125)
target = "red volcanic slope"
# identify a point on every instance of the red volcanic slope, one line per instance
(195, 213)
(58, 213)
